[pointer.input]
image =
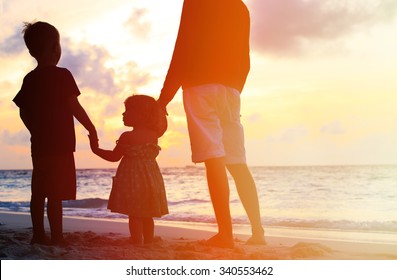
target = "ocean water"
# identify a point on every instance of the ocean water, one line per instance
(320, 198)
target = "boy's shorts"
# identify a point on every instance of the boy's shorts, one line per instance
(213, 118)
(54, 176)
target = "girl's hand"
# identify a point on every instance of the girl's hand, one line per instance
(163, 107)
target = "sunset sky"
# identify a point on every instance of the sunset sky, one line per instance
(322, 89)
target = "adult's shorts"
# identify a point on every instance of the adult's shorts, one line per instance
(213, 119)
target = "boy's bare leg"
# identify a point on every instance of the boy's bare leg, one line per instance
(246, 189)
(54, 213)
(37, 204)
(218, 186)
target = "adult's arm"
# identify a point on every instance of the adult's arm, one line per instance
(173, 80)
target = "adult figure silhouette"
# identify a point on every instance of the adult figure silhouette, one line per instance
(211, 62)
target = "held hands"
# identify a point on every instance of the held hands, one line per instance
(162, 107)
(162, 123)
(94, 142)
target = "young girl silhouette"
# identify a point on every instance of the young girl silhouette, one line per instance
(138, 188)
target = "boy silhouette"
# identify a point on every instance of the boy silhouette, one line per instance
(48, 102)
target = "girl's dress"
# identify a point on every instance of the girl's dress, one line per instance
(138, 187)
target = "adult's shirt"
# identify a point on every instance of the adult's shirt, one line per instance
(44, 98)
(212, 46)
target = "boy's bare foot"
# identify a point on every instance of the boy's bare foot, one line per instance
(42, 240)
(220, 241)
(256, 239)
(60, 242)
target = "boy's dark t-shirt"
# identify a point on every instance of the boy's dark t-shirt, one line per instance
(44, 98)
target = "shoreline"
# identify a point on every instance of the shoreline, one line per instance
(242, 231)
(103, 239)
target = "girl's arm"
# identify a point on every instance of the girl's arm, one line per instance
(108, 155)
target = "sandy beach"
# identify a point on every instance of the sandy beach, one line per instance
(95, 239)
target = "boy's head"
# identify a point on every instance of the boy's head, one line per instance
(41, 38)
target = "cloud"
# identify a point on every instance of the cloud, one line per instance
(87, 63)
(137, 25)
(21, 137)
(282, 27)
(254, 118)
(131, 76)
(13, 44)
(289, 135)
(4, 6)
(335, 128)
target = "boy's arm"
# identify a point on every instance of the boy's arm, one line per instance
(80, 114)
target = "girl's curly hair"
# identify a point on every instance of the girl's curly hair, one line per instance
(150, 114)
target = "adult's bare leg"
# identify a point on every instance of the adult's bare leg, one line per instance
(218, 186)
(247, 191)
